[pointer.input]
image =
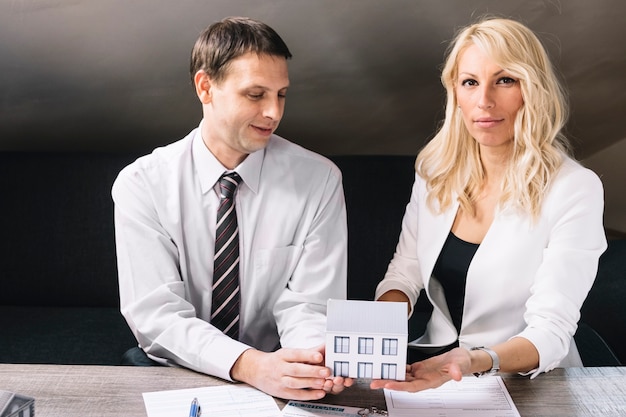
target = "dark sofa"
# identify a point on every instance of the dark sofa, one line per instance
(58, 291)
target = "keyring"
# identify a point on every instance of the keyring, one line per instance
(372, 411)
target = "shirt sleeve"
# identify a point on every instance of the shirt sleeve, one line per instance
(569, 266)
(321, 270)
(152, 293)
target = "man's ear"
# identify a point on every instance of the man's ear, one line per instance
(203, 86)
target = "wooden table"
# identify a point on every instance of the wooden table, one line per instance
(116, 391)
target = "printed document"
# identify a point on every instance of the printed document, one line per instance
(470, 397)
(219, 401)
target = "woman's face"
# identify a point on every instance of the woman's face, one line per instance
(488, 97)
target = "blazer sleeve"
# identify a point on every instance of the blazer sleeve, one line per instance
(573, 211)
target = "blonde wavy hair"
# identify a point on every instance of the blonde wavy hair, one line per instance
(450, 163)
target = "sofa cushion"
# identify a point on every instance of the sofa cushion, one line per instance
(63, 335)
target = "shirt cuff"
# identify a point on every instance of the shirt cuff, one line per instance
(219, 359)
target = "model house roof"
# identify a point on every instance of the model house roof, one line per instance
(367, 317)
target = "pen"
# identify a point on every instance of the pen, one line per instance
(194, 411)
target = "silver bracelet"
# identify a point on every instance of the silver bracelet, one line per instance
(495, 367)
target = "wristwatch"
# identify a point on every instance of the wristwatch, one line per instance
(495, 367)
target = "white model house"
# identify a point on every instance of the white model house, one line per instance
(366, 339)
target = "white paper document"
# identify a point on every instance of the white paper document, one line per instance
(470, 397)
(219, 401)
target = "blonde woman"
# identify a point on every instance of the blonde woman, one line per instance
(503, 230)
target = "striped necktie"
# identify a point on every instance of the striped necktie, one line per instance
(225, 304)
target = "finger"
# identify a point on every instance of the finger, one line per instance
(336, 385)
(378, 383)
(413, 386)
(302, 394)
(311, 356)
(301, 363)
(337, 388)
(304, 383)
(303, 370)
(343, 381)
(321, 349)
(328, 385)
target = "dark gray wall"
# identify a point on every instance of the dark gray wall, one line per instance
(112, 75)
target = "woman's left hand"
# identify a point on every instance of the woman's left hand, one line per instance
(430, 373)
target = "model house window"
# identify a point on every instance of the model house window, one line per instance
(366, 345)
(365, 369)
(389, 371)
(390, 347)
(342, 344)
(341, 368)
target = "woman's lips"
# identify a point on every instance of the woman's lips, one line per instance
(487, 122)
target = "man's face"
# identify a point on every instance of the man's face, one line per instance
(245, 108)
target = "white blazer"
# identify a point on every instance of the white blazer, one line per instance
(527, 279)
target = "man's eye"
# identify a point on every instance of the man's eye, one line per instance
(255, 96)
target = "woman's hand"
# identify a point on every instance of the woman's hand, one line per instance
(516, 355)
(432, 372)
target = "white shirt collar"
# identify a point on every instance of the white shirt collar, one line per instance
(209, 169)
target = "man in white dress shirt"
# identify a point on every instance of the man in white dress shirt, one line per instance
(292, 227)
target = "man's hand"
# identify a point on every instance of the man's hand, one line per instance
(431, 373)
(335, 384)
(295, 374)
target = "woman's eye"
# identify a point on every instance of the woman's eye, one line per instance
(469, 83)
(506, 80)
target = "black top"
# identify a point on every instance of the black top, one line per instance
(451, 271)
